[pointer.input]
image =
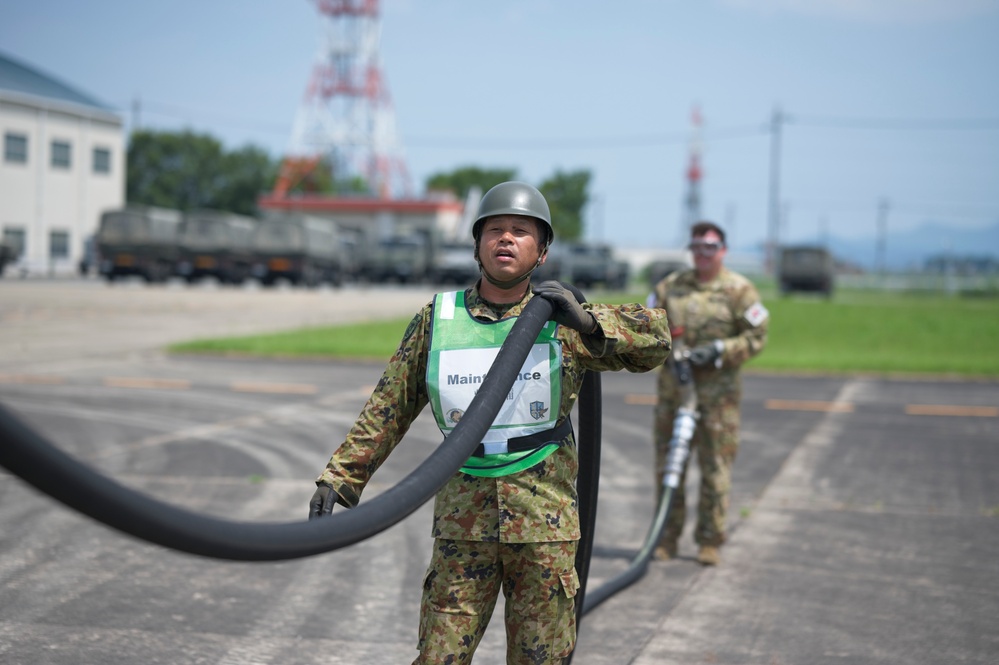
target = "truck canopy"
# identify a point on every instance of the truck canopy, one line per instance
(805, 268)
(138, 225)
(306, 234)
(216, 230)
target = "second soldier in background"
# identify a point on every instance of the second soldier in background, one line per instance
(724, 324)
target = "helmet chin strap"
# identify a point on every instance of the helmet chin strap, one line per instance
(506, 284)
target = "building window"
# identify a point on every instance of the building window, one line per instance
(58, 244)
(102, 160)
(15, 148)
(60, 155)
(13, 237)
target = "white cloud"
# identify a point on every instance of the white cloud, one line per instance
(915, 11)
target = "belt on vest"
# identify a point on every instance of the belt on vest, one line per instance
(529, 442)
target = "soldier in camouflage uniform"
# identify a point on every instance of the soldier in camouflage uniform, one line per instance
(508, 519)
(724, 324)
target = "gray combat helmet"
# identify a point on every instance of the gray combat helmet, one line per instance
(514, 198)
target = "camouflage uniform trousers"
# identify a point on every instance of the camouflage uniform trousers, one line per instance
(715, 444)
(462, 585)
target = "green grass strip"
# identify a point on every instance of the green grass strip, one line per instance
(372, 340)
(859, 332)
(884, 335)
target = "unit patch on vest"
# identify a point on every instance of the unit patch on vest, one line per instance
(538, 410)
(756, 314)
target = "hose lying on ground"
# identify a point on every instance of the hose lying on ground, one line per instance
(679, 448)
(27, 454)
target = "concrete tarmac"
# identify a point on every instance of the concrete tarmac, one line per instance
(862, 527)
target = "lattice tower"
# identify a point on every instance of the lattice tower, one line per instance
(346, 114)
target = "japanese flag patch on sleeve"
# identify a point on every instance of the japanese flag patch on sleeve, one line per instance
(756, 314)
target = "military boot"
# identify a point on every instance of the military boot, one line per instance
(708, 555)
(665, 551)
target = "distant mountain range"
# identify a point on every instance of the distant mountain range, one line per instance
(911, 248)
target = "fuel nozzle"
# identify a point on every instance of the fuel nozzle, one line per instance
(685, 419)
(681, 357)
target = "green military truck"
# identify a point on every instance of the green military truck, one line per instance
(401, 258)
(6, 256)
(592, 264)
(351, 252)
(555, 265)
(302, 249)
(804, 268)
(138, 240)
(667, 262)
(215, 243)
(455, 264)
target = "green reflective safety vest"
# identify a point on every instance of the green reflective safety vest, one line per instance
(462, 349)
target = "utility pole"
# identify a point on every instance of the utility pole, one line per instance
(596, 209)
(785, 221)
(730, 222)
(882, 237)
(774, 216)
(136, 110)
(692, 201)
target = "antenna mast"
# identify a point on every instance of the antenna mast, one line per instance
(692, 202)
(346, 115)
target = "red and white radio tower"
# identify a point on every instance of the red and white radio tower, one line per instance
(346, 115)
(692, 202)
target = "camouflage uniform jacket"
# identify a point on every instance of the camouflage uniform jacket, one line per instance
(726, 308)
(537, 504)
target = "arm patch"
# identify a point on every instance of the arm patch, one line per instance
(756, 314)
(411, 328)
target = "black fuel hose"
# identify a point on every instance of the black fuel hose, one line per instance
(639, 565)
(34, 459)
(588, 479)
(683, 429)
(588, 439)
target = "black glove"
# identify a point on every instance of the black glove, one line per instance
(322, 501)
(706, 354)
(567, 310)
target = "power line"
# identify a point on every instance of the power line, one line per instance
(899, 124)
(203, 117)
(912, 209)
(606, 142)
(585, 143)
(589, 142)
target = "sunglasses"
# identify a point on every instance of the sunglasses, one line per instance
(704, 248)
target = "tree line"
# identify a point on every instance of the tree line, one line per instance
(187, 170)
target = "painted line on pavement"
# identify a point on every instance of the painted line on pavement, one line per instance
(808, 405)
(34, 379)
(275, 388)
(951, 410)
(152, 383)
(646, 400)
(138, 382)
(848, 407)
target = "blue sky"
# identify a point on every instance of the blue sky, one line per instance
(894, 100)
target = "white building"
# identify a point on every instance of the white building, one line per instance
(63, 164)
